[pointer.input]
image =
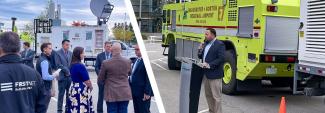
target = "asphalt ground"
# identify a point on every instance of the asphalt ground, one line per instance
(266, 100)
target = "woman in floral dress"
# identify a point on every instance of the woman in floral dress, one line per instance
(80, 99)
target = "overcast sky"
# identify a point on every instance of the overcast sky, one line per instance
(26, 10)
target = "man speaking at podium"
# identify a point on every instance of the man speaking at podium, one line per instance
(212, 54)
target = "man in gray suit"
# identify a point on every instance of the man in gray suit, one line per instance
(63, 60)
(27, 55)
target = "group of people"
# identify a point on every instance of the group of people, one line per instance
(28, 90)
(119, 81)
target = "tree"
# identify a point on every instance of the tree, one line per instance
(28, 34)
(29, 28)
(122, 31)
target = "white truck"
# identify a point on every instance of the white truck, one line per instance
(92, 38)
(309, 76)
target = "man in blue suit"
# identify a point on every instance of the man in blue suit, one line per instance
(212, 56)
(63, 60)
(140, 85)
(99, 60)
(27, 56)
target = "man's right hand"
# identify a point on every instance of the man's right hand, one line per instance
(146, 97)
(56, 73)
(66, 71)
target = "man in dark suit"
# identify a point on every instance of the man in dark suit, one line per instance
(27, 56)
(212, 56)
(63, 60)
(106, 55)
(140, 85)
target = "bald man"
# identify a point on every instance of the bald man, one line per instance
(114, 74)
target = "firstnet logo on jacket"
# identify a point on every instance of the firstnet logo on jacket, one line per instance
(17, 86)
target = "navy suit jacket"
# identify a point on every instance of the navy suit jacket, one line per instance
(215, 58)
(99, 60)
(27, 58)
(63, 62)
(140, 84)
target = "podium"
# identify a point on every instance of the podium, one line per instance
(191, 80)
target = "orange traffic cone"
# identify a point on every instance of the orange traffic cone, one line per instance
(282, 106)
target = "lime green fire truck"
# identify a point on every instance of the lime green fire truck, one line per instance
(260, 37)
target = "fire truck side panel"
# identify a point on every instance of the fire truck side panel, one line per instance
(241, 24)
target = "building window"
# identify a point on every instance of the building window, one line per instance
(245, 22)
(89, 35)
(65, 35)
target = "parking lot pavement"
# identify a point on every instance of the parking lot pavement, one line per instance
(266, 100)
(93, 77)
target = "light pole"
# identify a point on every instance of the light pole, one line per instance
(140, 16)
(13, 23)
(1, 25)
(124, 25)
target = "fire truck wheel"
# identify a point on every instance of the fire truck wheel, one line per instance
(173, 64)
(229, 81)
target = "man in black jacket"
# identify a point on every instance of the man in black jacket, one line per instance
(140, 85)
(212, 56)
(22, 89)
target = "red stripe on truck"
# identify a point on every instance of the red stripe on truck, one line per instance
(222, 27)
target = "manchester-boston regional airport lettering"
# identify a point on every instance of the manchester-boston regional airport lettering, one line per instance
(202, 13)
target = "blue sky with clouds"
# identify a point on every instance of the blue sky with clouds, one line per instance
(27, 10)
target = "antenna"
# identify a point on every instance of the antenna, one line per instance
(102, 9)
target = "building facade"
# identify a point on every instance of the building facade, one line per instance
(148, 14)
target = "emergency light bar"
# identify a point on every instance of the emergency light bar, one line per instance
(277, 59)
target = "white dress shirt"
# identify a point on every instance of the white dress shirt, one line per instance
(134, 67)
(207, 48)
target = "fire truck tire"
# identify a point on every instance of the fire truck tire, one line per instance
(229, 81)
(173, 64)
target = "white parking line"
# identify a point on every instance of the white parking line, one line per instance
(159, 59)
(203, 111)
(162, 61)
(151, 51)
(162, 58)
(159, 66)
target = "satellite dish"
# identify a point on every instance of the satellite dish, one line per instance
(101, 8)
